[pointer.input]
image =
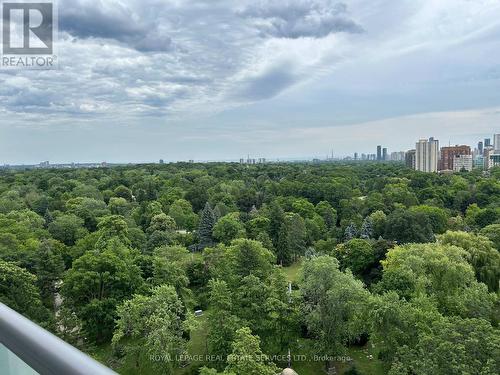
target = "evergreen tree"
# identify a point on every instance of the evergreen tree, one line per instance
(48, 218)
(49, 267)
(367, 228)
(206, 227)
(277, 216)
(253, 212)
(217, 213)
(351, 232)
(291, 239)
(265, 240)
(282, 251)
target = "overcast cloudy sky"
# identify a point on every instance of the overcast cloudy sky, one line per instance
(141, 80)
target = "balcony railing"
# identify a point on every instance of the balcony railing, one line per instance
(27, 349)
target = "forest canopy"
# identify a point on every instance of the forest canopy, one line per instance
(321, 260)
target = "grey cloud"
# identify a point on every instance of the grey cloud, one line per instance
(268, 84)
(296, 19)
(21, 94)
(210, 64)
(115, 21)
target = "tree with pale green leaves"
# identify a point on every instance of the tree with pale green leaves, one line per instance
(170, 267)
(452, 346)
(153, 326)
(334, 305)
(481, 255)
(247, 357)
(162, 223)
(440, 272)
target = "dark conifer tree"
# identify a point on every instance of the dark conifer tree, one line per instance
(48, 218)
(206, 226)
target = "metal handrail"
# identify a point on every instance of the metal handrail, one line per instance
(44, 352)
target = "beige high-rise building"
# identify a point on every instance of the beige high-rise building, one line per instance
(427, 155)
(496, 143)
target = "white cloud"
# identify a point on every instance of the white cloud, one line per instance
(181, 62)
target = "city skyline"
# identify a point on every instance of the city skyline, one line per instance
(291, 80)
(379, 153)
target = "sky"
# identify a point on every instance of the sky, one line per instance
(143, 80)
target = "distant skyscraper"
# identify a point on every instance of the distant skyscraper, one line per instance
(488, 150)
(384, 154)
(494, 160)
(491, 158)
(480, 148)
(379, 153)
(410, 159)
(427, 155)
(487, 142)
(449, 155)
(496, 143)
(397, 156)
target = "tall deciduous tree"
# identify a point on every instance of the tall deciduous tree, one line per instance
(228, 228)
(18, 291)
(357, 255)
(247, 357)
(153, 325)
(481, 255)
(493, 233)
(96, 283)
(440, 272)
(222, 323)
(182, 212)
(406, 227)
(334, 305)
(452, 346)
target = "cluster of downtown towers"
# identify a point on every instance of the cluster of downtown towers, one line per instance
(427, 156)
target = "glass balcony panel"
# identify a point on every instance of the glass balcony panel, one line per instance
(11, 364)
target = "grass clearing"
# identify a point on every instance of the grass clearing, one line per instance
(292, 272)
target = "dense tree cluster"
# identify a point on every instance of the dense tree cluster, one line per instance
(122, 257)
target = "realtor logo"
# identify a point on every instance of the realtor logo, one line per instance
(28, 32)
